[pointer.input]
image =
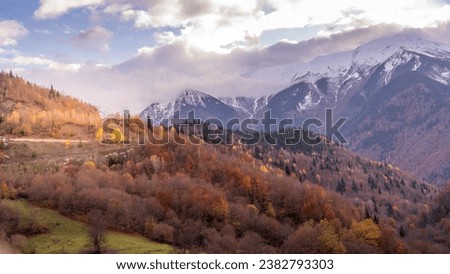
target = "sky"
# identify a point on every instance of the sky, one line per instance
(119, 54)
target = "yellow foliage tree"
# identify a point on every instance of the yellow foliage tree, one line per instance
(90, 164)
(4, 191)
(118, 136)
(366, 231)
(13, 119)
(330, 237)
(67, 143)
(26, 129)
(270, 211)
(99, 134)
(264, 169)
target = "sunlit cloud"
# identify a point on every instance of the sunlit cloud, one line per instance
(10, 32)
(209, 45)
(54, 8)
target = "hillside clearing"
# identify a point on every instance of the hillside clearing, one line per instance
(68, 236)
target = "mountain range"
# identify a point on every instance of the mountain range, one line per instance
(395, 92)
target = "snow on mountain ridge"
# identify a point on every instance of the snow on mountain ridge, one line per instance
(247, 105)
(328, 78)
(160, 111)
(360, 60)
(192, 98)
(322, 66)
(379, 50)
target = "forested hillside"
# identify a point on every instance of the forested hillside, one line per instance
(245, 199)
(29, 110)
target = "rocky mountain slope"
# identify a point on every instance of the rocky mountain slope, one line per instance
(394, 90)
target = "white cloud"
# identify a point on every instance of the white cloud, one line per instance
(219, 26)
(158, 74)
(10, 32)
(191, 56)
(54, 8)
(96, 38)
(27, 60)
(21, 62)
(161, 73)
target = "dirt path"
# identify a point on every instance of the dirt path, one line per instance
(5, 248)
(32, 140)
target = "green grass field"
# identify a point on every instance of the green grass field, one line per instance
(69, 236)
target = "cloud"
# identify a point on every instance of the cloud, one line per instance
(208, 24)
(96, 38)
(21, 62)
(10, 32)
(221, 26)
(192, 56)
(54, 8)
(303, 51)
(158, 74)
(440, 32)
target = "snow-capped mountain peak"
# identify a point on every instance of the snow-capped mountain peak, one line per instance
(379, 50)
(323, 66)
(388, 88)
(352, 65)
(192, 98)
(324, 81)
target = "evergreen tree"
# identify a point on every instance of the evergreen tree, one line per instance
(375, 205)
(390, 210)
(287, 170)
(341, 187)
(371, 182)
(376, 219)
(367, 213)
(354, 187)
(402, 231)
(51, 93)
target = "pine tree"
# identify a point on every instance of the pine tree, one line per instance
(376, 219)
(371, 182)
(375, 205)
(343, 185)
(390, 210)
(51, 93)
(287, 170)
(367, 213)
(4, 89)
(402, 231)
(257, 152)
(341, 188)
(354, 187)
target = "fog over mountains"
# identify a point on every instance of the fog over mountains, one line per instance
(394, 90)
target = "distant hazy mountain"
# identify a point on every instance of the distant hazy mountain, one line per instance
(395, 91)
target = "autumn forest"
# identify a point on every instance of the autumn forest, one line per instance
(207, 198)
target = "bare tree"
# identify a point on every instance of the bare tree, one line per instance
(97, 230)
